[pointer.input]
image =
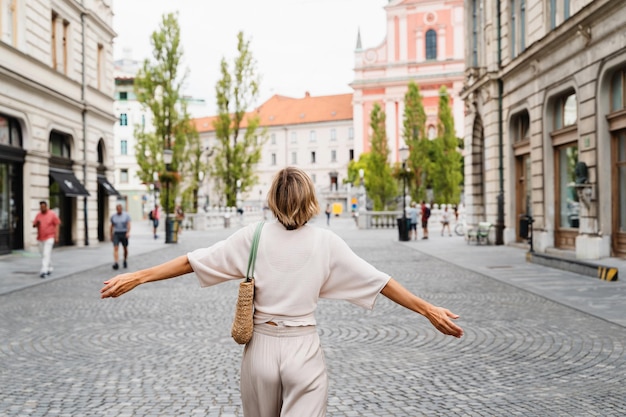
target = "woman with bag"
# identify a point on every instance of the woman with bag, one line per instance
(283, 371)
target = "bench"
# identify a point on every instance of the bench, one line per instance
(480, 233)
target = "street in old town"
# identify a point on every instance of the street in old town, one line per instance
(538, 341)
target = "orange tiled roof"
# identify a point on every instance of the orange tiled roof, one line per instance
(282, 110)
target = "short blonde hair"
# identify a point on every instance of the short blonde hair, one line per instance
(291, 198)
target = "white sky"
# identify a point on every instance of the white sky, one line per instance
(299, 45)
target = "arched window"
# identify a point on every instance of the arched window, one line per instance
(60, 144)
(431, 44)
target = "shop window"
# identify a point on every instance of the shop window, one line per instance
(10, 132)
(431, 45)
(520, 125)
(60, 145)
(569, 206)
(565, 111)
(618, 91)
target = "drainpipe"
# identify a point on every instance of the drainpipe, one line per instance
(84, 120)
(500, 199)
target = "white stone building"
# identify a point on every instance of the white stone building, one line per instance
(546, 91)
(313, 133)
(56, 118)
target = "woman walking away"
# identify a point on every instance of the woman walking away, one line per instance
(283, 371)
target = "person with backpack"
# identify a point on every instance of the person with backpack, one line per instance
(425, 216)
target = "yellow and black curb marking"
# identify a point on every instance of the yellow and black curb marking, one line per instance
(605, 273)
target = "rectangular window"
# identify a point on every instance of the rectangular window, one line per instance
(513, 28)
(333, 134)
(294, 158)
(294, 137)
(123, 96)
(123, 119)
(350, 133)
(8, 22)
(124, 176)
(351, 154)
(566, 7)
(333, 156)
(312, 136)
(475, 25)
(312, 157)
(53, 40)
(273, 138)
(100, 65)
(552, 14)
(124, 147)
(66, 34)
(273, 159)
(522, 24)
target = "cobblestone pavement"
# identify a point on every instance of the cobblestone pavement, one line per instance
(165, 348)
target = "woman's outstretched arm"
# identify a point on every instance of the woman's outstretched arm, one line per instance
(125, 282)
(438, 316)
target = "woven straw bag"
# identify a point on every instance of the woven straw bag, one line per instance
(243, 323)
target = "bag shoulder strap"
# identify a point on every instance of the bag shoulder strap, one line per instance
(253, 250)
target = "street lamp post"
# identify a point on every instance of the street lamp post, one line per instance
(403, 227)
(167, 159)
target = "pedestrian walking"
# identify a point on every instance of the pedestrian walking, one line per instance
(283, 371)
(412, 212)
(327, 214)
(154, 216)
(445, 221)
(425, 213)
(47, 224)
(120, 232)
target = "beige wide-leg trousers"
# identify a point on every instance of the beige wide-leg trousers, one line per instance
(283, 373)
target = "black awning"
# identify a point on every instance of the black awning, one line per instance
(69, 184)
(108, 188)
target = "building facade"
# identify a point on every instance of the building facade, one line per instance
(424, 44)
(137, 197)
(546, 122)
(56, 121)
(313, 133)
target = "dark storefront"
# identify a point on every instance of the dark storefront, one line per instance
(11, 200)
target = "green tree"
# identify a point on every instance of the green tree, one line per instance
(380, 184)
(158, 86)
(447, 174)
(414, 134)
(239, 142)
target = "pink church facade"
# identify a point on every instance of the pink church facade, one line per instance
(424, 44)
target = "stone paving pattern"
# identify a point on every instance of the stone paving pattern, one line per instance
(165, 348)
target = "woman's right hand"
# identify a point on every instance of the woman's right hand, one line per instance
(441, 318)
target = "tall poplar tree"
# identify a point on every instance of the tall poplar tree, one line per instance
(447, 174)
(414, 134)
(158, 86)
(239, 141)
(380, 184)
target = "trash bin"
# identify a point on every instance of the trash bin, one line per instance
(523, 226)
(404, 225)
(171, 231)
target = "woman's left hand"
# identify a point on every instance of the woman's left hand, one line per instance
(119, 285)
